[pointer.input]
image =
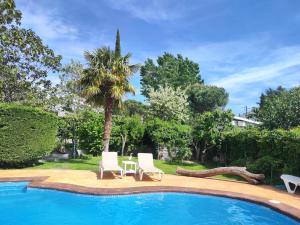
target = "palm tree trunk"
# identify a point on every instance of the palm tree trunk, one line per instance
(107, 123)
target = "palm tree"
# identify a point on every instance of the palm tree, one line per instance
(106, 81)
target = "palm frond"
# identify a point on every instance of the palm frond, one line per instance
(106, 77)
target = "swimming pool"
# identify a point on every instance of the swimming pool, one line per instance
(20, 205)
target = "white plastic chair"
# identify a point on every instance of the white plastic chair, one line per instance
(146, 165)
(109, 163)
(289, 179)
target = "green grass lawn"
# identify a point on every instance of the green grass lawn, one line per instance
(92, 164)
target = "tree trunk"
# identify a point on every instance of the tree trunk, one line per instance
(205, 149)
(107, 123)
(74, 140)
(238, 171)
(197, 149)
(124, 139)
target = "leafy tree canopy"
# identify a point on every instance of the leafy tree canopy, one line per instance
(176, 137)
(204, 98)
(89, 131)
(280, 108)
(133, 107)
(127, 132)
(170, 70)
(270, 93)
(208, 130)
(169, 104)
(68, 90)
(88, 127)
(24, 59)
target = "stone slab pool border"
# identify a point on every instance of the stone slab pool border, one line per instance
(39, 182)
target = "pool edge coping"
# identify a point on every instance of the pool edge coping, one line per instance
(39, 182)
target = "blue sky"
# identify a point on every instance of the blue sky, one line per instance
(244, 46)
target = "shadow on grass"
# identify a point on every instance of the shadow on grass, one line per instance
(69, 161)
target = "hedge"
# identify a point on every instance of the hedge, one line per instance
(26, 134)
(263, 151)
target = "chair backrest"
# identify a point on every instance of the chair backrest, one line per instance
(109, 159)
(145, 160)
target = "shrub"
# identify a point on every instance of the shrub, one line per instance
(262, 151)
(268, 165)
(90, 132)
(176, 137)
(26, 134)
(127, 133)
(241, 144)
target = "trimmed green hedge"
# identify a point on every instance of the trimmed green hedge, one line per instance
(262, 151)
(26, 134)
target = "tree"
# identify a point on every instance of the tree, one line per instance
(176, 137)
(128, 131)
(133, 107)
(208, 131)
(68, 90)
(118, 45)
(105, 82)
(270, 93)
(279, 108)
(24, 59)
(170, 71)
(68, 129)
(169, 104)
(204, 98)
(42, 97)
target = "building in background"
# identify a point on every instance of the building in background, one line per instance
(244, 122)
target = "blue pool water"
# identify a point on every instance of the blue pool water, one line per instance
(29, 206)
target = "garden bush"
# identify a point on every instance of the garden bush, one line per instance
(26, 134)
(90, 132)
(263, 151)
(176, 137)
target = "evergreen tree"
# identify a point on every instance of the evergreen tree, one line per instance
(118, 45)
(173, 71)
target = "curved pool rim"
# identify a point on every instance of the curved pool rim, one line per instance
(39, 182)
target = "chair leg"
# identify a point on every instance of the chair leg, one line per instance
(101, 173)
(160, 176)
(288, 187)
(141, 175)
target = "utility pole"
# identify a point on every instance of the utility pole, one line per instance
(246, 110)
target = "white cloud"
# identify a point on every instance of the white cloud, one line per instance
(60, 35)
(46, 22)
(234, 64)
(223, 57)
(63, 36)
(279, 61)
(151, 10)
